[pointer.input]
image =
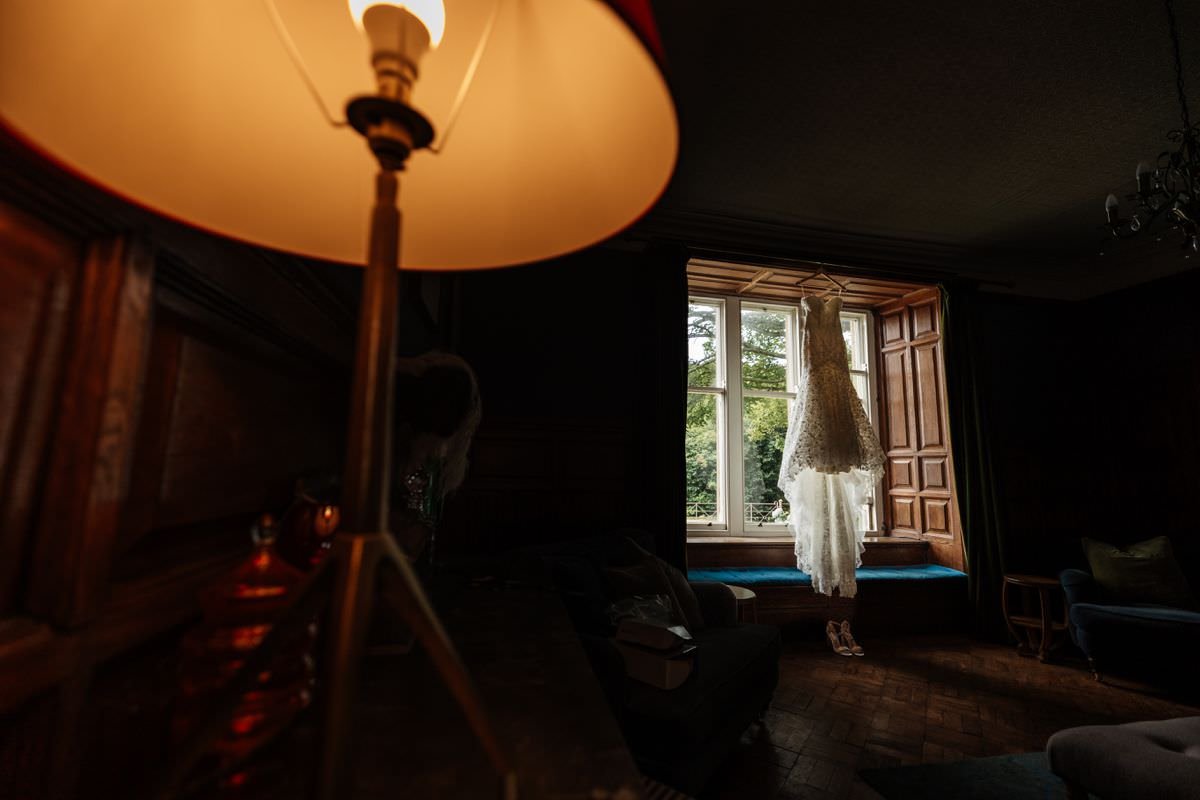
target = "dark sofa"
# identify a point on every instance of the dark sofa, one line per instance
(679, 736)
(1154, 643)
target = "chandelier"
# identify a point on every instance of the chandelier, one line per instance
(1170, 188)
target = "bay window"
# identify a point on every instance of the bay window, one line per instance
(743, 366)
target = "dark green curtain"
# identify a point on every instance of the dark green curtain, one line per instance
(665, 280)
(979, 498)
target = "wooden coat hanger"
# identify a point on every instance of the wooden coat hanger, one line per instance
(836, 283)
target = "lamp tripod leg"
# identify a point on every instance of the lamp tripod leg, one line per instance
(402, 591)
(356, 558)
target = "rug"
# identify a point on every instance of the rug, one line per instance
(1015, 777)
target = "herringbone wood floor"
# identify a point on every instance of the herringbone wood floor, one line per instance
(912, 700)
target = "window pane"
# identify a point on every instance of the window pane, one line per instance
(703, 454)
(764, 349)
(704, 344)
(854, 331)
(860, 386)
(764, 425)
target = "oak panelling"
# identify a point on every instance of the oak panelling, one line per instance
(37, 267)
(530, 484)
(788, 283)
(880, 607)
(925, 318)
(936, 514)
(930, 405)
(154, 432)
(894, 328)
(906, 517)
(241, 430)
(934, 474)
(913, 388)
(88, 470)
(88, 333)
(26, 733)
(901, 474)
(897, 392)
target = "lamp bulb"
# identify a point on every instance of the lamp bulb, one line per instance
(430, 13)
(400, 32)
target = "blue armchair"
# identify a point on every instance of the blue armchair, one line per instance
(1154, 643)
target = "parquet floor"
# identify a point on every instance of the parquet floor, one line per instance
(912, 700)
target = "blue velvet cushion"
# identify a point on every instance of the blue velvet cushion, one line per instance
(790, 576)
(1089, 615)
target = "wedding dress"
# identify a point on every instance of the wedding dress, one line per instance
(831, 456)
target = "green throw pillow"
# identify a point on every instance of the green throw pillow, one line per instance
(1146, 572)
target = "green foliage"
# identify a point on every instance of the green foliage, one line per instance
(764, 367)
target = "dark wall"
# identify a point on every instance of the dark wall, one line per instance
(580, 368)
(1034, 383)
(1095, 417)
(1143, 411)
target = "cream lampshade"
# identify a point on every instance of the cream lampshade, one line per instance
(198, 110)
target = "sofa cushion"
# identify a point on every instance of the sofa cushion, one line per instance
(1088, 615)
(1153, 643)
(650, 576)
(735, 673)
(1145, 572)
(1123, 762)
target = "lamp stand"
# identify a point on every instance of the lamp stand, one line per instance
(366, 558)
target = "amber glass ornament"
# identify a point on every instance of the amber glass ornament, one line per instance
(306, 532)
(238, 612)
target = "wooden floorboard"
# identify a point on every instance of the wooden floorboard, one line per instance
(912, 700)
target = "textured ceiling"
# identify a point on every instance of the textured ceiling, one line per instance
(984, 124)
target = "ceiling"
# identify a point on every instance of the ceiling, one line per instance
(992, 129)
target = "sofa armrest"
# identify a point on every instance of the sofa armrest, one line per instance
(1079, 586)
(717, 603)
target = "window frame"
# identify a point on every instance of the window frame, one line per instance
(731, 396)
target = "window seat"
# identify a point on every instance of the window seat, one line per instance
(916, 598)
(789, 576)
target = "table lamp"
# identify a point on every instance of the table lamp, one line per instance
(526, 129)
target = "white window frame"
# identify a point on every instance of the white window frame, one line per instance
(730, 399)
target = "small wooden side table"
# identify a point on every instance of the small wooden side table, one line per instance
(1041, 633)
(747, 601)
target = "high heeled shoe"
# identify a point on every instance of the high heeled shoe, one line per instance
(835, 639)
(847, 639)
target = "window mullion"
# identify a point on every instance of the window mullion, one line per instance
(734, 485)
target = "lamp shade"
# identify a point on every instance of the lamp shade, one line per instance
(197, 110)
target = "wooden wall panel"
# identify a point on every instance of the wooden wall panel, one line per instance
(930, 407)
(900, 473)
(240, 432)
(897, 380)
(108, 353)
(91, 456)
(920, 502)
(37, 268)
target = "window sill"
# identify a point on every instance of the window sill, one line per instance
(784, 538)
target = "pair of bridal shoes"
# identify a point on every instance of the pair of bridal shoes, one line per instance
(841, 639)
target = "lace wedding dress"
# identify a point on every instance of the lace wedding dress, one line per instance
(831, 457)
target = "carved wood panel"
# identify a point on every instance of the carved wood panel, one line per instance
(90, 459)
(900, 473)
(906, 516)
(913, 383)
(37, 267)
(897, 380)
(930, 407)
